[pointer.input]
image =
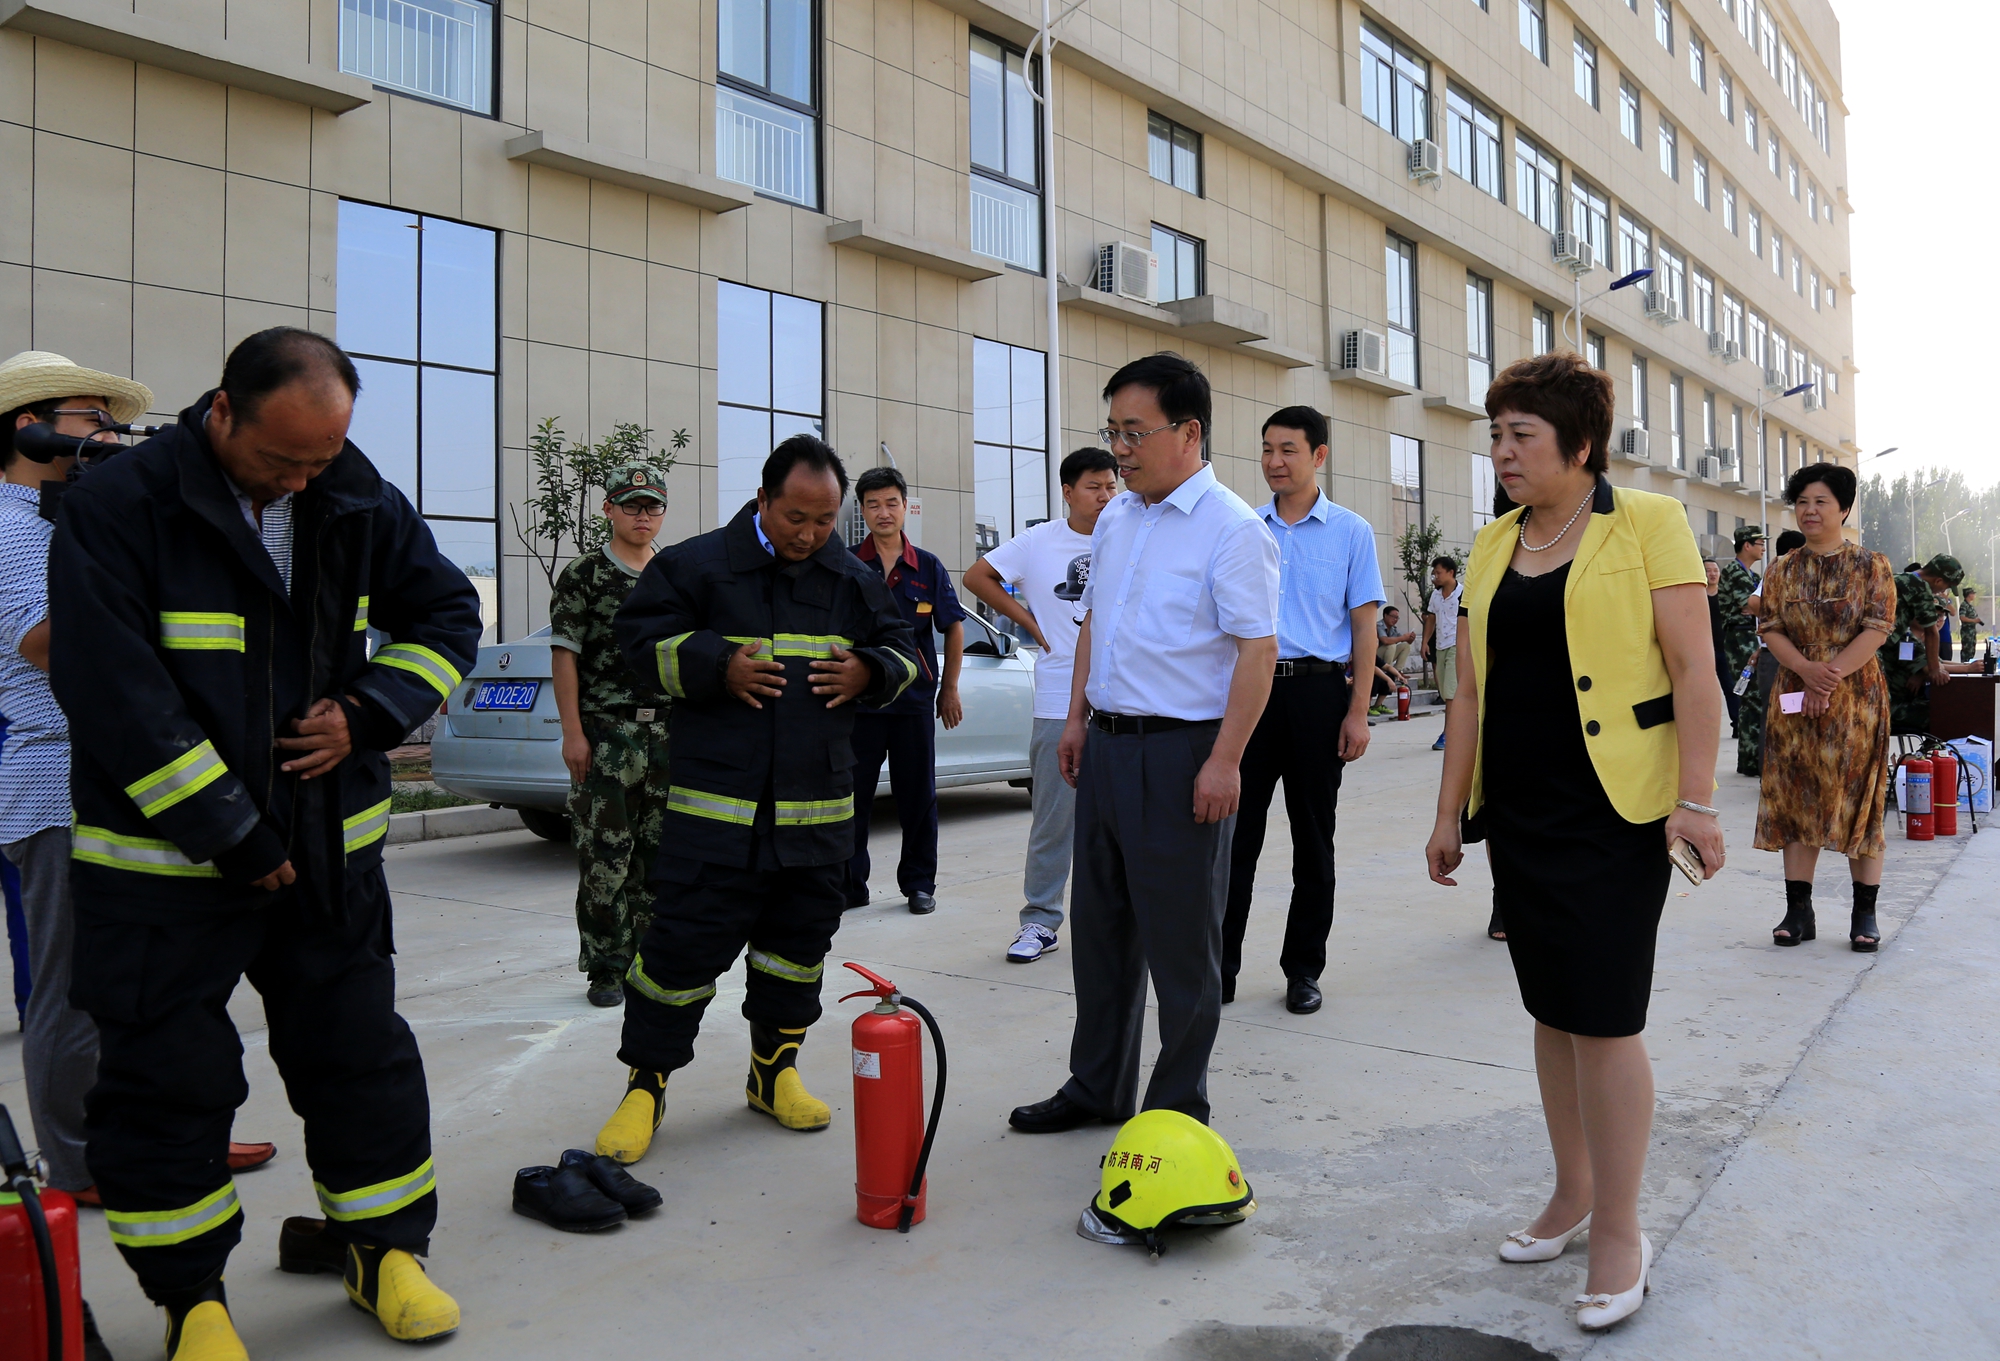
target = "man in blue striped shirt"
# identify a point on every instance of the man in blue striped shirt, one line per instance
(1329, 590)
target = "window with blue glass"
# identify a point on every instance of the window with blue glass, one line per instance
(1006, 155)
(770, 383)
(417, 309)
(766, 98)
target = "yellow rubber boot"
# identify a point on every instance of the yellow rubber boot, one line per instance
(390, 1284)
(774, 1087)
(629, 1132)
(204, 1333)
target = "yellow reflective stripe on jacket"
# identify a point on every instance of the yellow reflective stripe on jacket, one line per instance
(636, 976)
(809, 812)
(721, 807)
(909, 670)
(384, 1197)
(361, 615)
(670, 665)
(815, 645)
(370, 824)
(193, 770)
(164, 1228)
(421, 661)
(194, 631)
(140, 854)
(779, 967)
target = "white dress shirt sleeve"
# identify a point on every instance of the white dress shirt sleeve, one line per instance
(1245, 581)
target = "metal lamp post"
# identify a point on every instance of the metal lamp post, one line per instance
(1577, 309)
(1764, 454)
(1044, 42)
(1946, 524)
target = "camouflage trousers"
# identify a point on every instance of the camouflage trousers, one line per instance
(615, 815)
(1750, 716)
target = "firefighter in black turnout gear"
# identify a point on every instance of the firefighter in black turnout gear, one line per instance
(210, 595)
(763, 631)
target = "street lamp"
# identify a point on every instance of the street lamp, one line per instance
(1045, 40)
(1763, 454)
(1946, 526)
(1577, 310)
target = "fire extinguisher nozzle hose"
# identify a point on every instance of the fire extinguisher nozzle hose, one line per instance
(937, 1110)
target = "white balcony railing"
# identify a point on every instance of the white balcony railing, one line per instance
(1006, 223)
(437, 49)
(765, 146)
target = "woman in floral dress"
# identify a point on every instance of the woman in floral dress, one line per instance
(1825, 609)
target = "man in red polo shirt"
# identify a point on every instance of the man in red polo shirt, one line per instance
(903, 731)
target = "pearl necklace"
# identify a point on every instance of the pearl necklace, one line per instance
(1559, 533)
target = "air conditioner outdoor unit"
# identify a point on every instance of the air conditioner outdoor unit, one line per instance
(1364, 352)
(1662, 308)
(1128, 271)
(1730, 471)
(1573, 252)
(1813, 403)
(1636, 444)
(1731, 352)
(1426, 160)
(1775, 380)
(1708, 468)
(1715, 342)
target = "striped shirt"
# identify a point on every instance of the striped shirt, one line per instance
(274, 530)
(34, 762)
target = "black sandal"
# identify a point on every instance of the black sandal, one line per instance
(1495, 928)
(1798, 924)
(1862, 932)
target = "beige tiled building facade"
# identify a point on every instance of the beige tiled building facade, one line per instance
(746, 217)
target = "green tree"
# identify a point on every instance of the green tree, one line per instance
(1926, 512)
(568, 478)
(1416, 548)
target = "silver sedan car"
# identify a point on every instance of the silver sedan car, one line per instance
(500, 740)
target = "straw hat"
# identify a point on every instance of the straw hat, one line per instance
(40, 376)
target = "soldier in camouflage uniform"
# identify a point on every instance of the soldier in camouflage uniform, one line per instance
(1739, 630)
(1910, 656)
(614, 727)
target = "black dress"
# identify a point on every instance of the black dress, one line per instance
(1581, 888)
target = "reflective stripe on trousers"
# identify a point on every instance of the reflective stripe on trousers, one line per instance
(636, 976)
(196, 631)
(140, 854)
(164, 1228)
(180, 778)
(383, 1198)
(779, 967)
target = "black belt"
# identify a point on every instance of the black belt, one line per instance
(1142, 724)
(658, 715)
(1306, 666)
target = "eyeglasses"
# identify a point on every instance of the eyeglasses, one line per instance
(1131, 439)
(102, 417)
(640, 510)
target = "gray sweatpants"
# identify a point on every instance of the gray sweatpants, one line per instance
(1151, 884)
(1051, 833)
(59, 1043)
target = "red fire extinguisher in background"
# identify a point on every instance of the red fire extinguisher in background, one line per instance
(1402, 704)
(892, 1145)
(41, 1300)
(1944, 790)
(1917, 800)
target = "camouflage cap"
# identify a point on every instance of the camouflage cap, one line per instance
(1748, 534)
(634, 482)
(1945, 568)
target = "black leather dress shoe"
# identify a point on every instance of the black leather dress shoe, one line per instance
(304, 1247)
(608, 1176)
(1053, 1116)
(1302, 996)
(564, 1198)
(922, 904)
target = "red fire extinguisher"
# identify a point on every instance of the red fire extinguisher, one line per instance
(1917, 800)
(41, 1301)
(1944, 790)
(1402, 704)
(892, 1145)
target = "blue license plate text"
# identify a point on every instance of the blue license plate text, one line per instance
(506, 694)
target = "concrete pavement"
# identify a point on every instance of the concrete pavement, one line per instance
(1391, 1139)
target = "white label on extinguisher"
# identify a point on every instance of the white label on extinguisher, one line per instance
(867, 1064)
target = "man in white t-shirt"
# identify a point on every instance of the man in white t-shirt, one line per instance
(1441, 629)
(1051, 565)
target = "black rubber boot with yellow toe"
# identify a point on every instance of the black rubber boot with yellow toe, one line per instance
(198, 1326)
(629, 1132)
(774, 1087)
(390, 1284)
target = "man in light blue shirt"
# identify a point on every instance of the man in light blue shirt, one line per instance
(1329, 590)
(1173, 665)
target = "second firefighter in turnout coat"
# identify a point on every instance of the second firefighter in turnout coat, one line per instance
(762, 632)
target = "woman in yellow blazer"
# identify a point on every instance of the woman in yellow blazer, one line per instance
(1583, 740)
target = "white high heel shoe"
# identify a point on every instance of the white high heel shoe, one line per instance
(1522, 1246)
(1597, 1312)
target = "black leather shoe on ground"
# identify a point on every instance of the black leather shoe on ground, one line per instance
(304, 1247)
(1302, 996)
(922, 904)
(1053, 1116)
(564, 1198)
(614, 1181)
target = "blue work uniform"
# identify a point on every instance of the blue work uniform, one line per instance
(905, 731)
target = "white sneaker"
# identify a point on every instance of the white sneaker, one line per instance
(1031, 945)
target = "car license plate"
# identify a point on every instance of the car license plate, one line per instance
(506, 694)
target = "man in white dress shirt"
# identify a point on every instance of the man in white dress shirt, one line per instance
(1173, 666)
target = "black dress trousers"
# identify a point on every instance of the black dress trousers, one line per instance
(1296, 741)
